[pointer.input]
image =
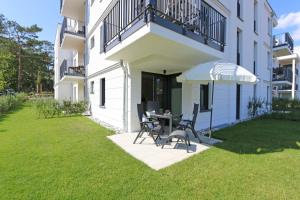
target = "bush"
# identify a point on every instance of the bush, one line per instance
(285, 109)
(256, 107)
(49, 108)
(11, 102)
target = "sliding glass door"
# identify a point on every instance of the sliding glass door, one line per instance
(163, 89)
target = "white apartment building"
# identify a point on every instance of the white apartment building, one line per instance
(286, 78)
(135, 49)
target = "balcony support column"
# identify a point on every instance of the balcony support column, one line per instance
(294, 79)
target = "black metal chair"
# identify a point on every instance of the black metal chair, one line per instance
(185, 124)
(180, 135)
(151, 127)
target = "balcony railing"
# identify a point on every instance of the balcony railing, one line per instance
(283, 74)
(72, 26)
(283, 40)
(194, 18)
(71, 71)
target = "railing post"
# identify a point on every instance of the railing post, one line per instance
(151, 5)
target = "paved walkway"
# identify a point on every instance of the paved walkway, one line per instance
(154, 156)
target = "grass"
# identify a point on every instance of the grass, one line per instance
(71, 158)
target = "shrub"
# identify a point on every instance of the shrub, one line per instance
(285, 109)
(255, 106)
(11, 102)
(49, 108)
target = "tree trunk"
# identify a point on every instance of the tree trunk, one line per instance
(20, 71)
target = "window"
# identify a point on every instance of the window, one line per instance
(254, 58)
(270, 65)
(204, 98)
(92, 42)
(92, 88)
(255, 17)
(238, 47)
(239, 9)
(270, 27)
(92, 2)
(102, 92)
(268, 92)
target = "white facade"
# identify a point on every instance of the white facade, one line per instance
(69, 50)
(153, 48)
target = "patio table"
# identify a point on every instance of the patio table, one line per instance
(164, 116)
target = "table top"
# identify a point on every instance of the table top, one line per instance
(163, 116)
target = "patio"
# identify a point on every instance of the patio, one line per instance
(154, 156)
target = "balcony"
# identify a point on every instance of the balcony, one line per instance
(74, 9)
(283, 75)
(283, 45)
(68, 73)
(72, 34)
(178, 33)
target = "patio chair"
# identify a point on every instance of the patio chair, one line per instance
(153, 129)
(180, 135)
(185, 124)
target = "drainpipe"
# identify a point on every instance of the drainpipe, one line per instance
(125, 97)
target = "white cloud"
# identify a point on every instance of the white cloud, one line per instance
(290, 21)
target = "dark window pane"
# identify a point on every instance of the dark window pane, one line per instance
(204, 97)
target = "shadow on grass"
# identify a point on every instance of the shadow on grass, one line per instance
(260, 137)
(4, 116)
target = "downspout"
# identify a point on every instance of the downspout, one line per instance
(125, 97)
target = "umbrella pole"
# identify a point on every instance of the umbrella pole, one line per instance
(211, 109)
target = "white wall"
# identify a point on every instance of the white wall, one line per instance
(112, 112)
(225, 95)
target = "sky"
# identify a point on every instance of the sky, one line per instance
(45, 13)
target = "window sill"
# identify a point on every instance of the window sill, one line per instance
(103, 107)
(256, 33)
(92, 93)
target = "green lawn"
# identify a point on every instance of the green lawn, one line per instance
(71, 158)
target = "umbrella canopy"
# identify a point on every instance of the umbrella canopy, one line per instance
(219, 72)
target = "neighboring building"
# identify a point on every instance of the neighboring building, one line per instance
(286, 68)
(69, 60)
(135, 49)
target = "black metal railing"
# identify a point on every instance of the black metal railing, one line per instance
(282, 40)
(71, 26)
(71, 71)
(194, 16)
(283, 74)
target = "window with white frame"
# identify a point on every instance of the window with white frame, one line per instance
(239, 5)
(102, 92)
(255, 16)
(92, 87)
(92, 42)
(204, 98)
(255, 58)
(239, 47)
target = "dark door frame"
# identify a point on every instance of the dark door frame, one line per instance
(167, 86)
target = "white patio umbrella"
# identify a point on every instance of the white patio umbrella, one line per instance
(217, 72)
